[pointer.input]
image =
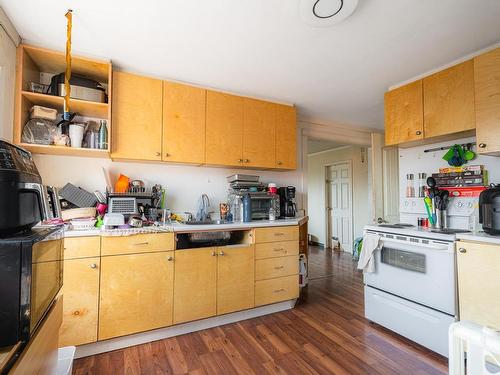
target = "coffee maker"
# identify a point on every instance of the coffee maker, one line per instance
(287, 202)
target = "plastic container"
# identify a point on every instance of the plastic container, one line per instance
(65, 358)
(76, 135)
(247, 208)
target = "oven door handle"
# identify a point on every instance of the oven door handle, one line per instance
(430, 246)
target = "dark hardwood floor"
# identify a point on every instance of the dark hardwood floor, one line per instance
(325, 334)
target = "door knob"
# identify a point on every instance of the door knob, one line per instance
(482, 145)
(214, 253)
(246, 161)
(240, 160)
(93, 266)
(170, 258)
(418, 132)
(462, 250)
(222, 254)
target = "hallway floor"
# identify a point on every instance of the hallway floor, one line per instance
(325, 334)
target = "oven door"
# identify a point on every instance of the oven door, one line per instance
(420, 272)
(46, 276)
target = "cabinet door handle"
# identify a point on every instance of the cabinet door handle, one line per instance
(279, 267)
(280, 249)
(167, 154)
(213, 253)
(170, 259)
(240, 160)
(482, 145)
(158, 154)
(93, 266)
(279, 234)
(418, 132)
(462, 250)
(222, 254)
(278, 290)
(279, 163)
(141, 243)
(246, 161)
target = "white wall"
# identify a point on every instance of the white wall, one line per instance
(316, 189)
(7, 80)
(415, 160)
(184, 184)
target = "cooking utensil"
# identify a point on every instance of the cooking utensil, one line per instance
(135, 221)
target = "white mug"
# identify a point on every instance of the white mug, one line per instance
(76, 134)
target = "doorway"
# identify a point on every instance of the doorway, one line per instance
(339, 220)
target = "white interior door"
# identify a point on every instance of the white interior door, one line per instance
(339, 205)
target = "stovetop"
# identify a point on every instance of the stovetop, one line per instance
(402, 229)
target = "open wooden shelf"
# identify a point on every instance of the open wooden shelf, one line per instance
(31, 63)
(82, 107)
(63, 150)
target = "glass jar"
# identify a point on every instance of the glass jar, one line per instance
(410, 186)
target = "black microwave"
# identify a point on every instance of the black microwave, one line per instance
(31, 271)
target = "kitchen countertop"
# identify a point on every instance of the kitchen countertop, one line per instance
(179, 227)
(479, 237)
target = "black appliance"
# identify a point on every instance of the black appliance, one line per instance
(82, 88)
(287, 202)
(489, 210)
(30, 278)
(23, 199)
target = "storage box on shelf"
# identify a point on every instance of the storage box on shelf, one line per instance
(32, 64)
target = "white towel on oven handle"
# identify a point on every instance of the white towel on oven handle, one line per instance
(371, 243)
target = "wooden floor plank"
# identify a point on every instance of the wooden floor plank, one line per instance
(326, 333)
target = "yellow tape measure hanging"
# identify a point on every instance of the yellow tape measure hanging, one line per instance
(67, 75)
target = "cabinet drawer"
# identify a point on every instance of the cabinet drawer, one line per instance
(276, 249)
(82, 247)
(276, 290)
(140, 243)
(276, 267)
(277, 234)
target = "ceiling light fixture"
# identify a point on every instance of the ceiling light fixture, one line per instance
(323, 13)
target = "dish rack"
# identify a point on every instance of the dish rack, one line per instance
(126, 202)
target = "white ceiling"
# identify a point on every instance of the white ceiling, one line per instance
(262, 48)
(318, 145)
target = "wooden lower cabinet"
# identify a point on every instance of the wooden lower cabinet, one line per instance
(195, 295)
(276, 267)
(136, 293)
(235, 278)
(479, 283)
(276, 290)
(81, 301)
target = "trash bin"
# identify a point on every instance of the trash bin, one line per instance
(65, 358)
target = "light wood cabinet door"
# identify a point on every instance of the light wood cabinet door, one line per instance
(286, 137)
(487, 96)
(404, 114)
(195, 284)
(81, 301)
(259, 127)
(276, 290)
(235, 278)
(276, 267)
(137, 117)
(136, 293)
(183, 123)
(479, 283)
(224, 129)
(449, 101)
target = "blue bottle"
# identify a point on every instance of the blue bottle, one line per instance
(247, 208)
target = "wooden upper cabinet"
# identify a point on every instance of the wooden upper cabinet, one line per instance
(136, 293)
(235, 278)
(183, 123)
(487, 95)
(404, 121)
(478, 286)
(224, 129)
(286, 137)
(137, 117)
(449, 100)
(259, 128)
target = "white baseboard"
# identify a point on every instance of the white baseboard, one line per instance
(180, 329)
